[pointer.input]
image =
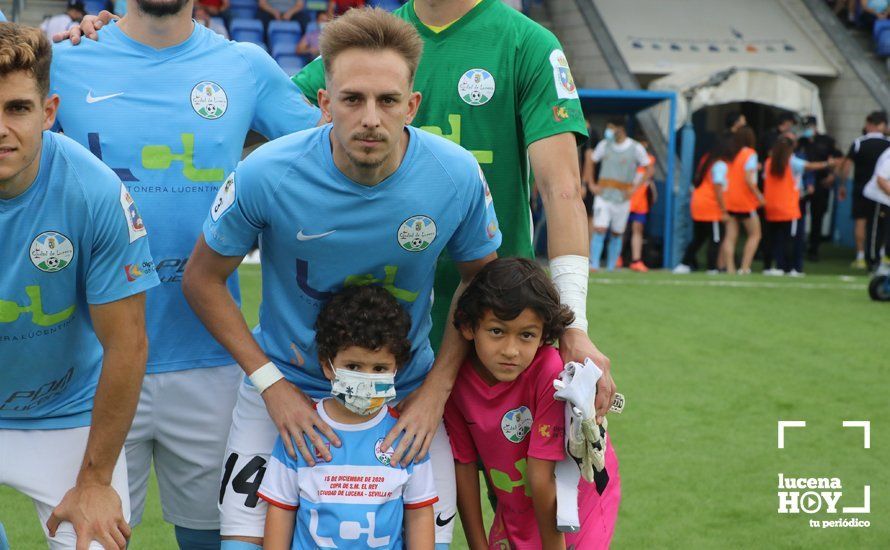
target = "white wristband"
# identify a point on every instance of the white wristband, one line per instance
(265, 376)
(570, 275)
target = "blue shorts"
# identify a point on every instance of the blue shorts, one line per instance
(637, 217)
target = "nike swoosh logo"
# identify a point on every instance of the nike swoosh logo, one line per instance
(442, 523)
(304, 237)
(96, 99)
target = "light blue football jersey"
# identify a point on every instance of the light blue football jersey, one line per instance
(172, 123)
(357, 500)
(74, 238)
(320, 231)
(2, 17)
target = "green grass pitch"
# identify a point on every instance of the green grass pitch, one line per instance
(708, 366)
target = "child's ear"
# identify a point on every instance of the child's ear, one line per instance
(467, 332)
(326, 367)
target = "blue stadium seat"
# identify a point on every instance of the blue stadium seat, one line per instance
(883, 48)
(247, 30)
(881, 25)
(243, 9)
(290, 63)
(284, 36)
(388, 5)
(93, 7)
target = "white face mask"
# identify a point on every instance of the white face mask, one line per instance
(362, 393)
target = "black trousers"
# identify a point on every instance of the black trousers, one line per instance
(818, 207)
(712, 232)
(877, 234)
(780, 238)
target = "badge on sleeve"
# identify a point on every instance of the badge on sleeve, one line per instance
(562, 76)
(225, 198)
(135, 226)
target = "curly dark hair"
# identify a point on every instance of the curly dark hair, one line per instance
(506, 287)
(364, 316)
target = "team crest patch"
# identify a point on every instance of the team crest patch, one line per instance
(209, 100)
(417, 233)
(516, 424)
(384, 457)
(562, 76)
(488, 199)
(51, 251)
(135, 225)
(476, 87)
(225, 198)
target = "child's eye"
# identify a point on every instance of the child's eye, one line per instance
(495, 331)
(529, 335)
(380, 368)
(352, 366)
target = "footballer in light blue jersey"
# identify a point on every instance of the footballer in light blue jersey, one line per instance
(358, 498)
(171, 122)
(73, 239)
(321, 231)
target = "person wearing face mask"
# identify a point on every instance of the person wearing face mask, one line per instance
(362, 337)
(816, 147)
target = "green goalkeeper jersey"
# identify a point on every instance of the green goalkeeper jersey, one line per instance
(493, 82)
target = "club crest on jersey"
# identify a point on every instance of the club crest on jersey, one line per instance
(476, 87)
(562, 76)
(516, 424)
(135, 225)
(384, 457)
(417, 233)
(225, 198)
(51, 251)
(209, 100)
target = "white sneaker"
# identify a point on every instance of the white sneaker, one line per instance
(713, 272)
(773, 272)
(796, 273)
(743, 272)
(682, 269)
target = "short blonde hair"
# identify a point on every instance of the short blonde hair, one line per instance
(25, 49)
(370, 29)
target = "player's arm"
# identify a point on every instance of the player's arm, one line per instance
(554, 163)
(420, 531)
(468, 505)
(279, 532)
(204, 286)
(543, 486)
(422, 410)
(93, 506)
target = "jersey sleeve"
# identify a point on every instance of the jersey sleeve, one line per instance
(420, 489)
(120, 261)
(719, 171)
(882, 167)
(462, 446)
(281, 484)
(310, 79)
(599, 151)
(237, 214)
(798, 165)
(751, 163)
(280, 108)
(547, 438)
(548, 97)
(478, 234)
(642, 155)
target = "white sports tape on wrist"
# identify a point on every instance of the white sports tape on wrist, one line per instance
(569, 274)
(265, 376)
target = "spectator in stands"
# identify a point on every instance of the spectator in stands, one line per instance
(339, 7)
(308, 44)
(708, 206)
(283, 10)
(862, 156)
(201, 15)
(74, 12)
(735, 120)
(847, 6)
(639, 209)
(216, 8)
(873, 10)
(742, 200)
(814, 147)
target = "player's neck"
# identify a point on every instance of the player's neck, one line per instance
(339, 413)
(370, 176)
(157, 32)
(21, 182)
(442, 12)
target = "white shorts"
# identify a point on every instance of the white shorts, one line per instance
(611, 215)
(43, 465)
(251, 440)
(181, 423)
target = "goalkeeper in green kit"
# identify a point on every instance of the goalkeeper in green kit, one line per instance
(499, 85)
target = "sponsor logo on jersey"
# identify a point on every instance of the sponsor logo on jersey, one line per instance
(96, 99)
(562, 76)
(417, 233)
(135, 226)
(559, 113)
(384, 457)
(225, 198)
(516, 424)
(476, 87)
(209, 100)
(11, 311)
(491, 229)
(51, 251)
(29, 398)
(135, 271)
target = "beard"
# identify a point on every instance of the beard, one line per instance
(161, 8)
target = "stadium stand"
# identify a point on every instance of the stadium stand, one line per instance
(243, 9)
(248, 30)
(283, 37)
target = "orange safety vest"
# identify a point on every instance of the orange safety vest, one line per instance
(739, 197)
(704, 206)
(781, 195)
(639, 200)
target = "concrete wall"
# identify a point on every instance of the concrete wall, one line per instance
(588, 66)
